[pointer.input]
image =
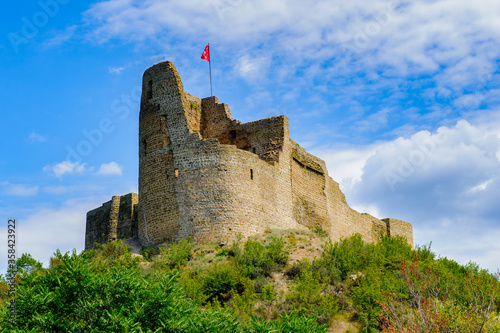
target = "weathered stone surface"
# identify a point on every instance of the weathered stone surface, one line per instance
(115, 219)
(205, 175)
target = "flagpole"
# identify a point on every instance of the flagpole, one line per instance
(206, 56)
(210, 70)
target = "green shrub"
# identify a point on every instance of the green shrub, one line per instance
(424, 252)
(348, 255)
(268, 292)
(220, 282)
(276, 251)
(112, 254)
(286, 323)
(149, 252)
(245, 302)
(310, 296)
(25, 264)
(223, 253)
(320, 232)
(259, 260)
(175, 255)
(233, 290)
(74, 297)
(424, 307)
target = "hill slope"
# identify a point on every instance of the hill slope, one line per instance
(282, 281)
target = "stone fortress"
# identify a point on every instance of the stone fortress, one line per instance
(205, 175)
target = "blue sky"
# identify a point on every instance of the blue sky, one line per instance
(401, 99)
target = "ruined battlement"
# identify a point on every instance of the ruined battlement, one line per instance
(205, 175)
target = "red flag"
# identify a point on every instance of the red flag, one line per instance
(206, 54)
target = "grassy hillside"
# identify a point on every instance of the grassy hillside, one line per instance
(282, 281)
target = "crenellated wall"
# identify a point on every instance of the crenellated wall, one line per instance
(205, 175)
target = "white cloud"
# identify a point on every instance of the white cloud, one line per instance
(403, 37)
(69, 168)
(346, 166)
(65, 168)
(252, 68)
(375, 121)
(19, 189)
(117, 70)
(360, 54)
(61, 36)
(463, 244)
(55, 189)
(110, 169)
(480, 187)
(45, 229)
(35, 137)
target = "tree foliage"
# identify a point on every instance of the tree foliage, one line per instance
(252, 287)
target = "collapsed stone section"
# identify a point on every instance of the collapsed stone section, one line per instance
(205, 175)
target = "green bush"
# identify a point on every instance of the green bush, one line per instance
(424, 307)
(25, 264)
(259, 260)
(311, 297)
(149, 252)
(223, 253)
(220, 281)
(385, 286)
(286, 323)
(114, 253)
(74, 297)
(320, 232)
(348, 255)
(275, 250)
(175, 255)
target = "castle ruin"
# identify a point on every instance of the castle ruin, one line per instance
(205, 175)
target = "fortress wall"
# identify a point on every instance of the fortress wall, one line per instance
(97, 227)
(264, 193)
(193, 112)
(211, 195)
(113, 217)
(127, 222)
(379, 227)
(284, 181)
(216, 120)
(345, 221)
(223, 190)
(309, 200)
(113, 220)
(364, 224)
(169, 100)
(204, 204)
(309, 196)
(400, 228)
(158, 210)
(263, 137)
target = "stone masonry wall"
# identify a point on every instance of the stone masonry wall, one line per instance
(308, 189)
(399, 228)
(207, 176)
(115, 219)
